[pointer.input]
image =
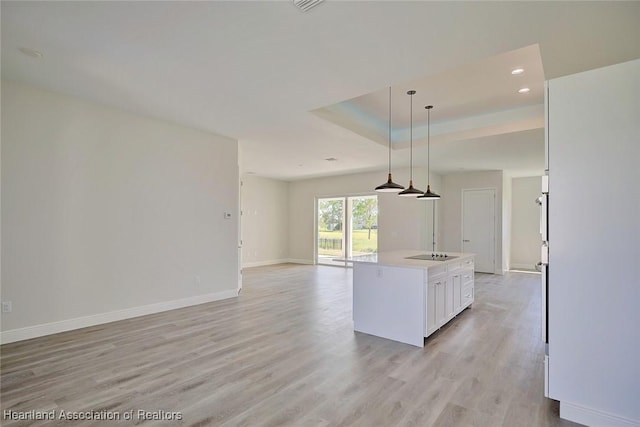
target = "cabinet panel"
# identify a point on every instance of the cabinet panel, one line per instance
(436, 303)
(467, 276)
(467, 294)
(456, 284)
(388, 302)
(449, 299)
(455, 266)
(432, 298)
(441, 313)
(445, 293)
(437, 270)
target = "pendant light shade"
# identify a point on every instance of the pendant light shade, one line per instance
(429, 195)
(410, 191)
(389, 186)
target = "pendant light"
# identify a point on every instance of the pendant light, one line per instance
(429, 195)
(389, 186)
(410, 191)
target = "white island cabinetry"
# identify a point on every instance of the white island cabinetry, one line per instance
(435, 304)
(407, 300)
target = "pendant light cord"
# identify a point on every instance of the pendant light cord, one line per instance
(411, 138)
(428, 145)
(389, 130)
(428, 108)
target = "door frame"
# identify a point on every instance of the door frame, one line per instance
(495, 220)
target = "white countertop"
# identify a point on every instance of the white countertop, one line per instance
(399, 259)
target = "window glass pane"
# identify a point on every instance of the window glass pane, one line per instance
(330, 230)
(364, 225)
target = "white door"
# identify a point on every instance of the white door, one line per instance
(240, 237)
(478, 227)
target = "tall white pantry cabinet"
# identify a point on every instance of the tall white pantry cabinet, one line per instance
(594, 245)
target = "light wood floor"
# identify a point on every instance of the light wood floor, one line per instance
(284, 353)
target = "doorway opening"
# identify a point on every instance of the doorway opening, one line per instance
(346, 226)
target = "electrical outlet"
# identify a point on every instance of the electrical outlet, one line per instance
(7, 306)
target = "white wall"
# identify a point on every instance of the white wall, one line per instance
(525, 222)
(107, 214)
(265, 221)
(451, 213)
(507, 200)
(594, 245)
(402, 223)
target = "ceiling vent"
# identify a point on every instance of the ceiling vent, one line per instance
(305, 5)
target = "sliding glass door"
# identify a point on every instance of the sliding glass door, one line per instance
(330, 235)
(346, 226)
(364, 225)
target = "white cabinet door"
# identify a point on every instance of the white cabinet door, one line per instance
(467, 288)
(449, 299)
(456, 280)
(441, 309)
(432, 298)
(467, 294)
(436, 304)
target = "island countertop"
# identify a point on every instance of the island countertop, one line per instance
(406, 299)
(401, 258)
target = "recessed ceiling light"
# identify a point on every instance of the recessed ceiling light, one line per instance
(517, 71)
(30, 52)
(524, 90)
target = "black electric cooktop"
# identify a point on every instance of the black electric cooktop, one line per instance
(432, 257)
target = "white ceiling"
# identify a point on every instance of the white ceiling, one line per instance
(255, 71)
(473, 100)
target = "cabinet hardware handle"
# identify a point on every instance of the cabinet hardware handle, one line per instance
(467, 277)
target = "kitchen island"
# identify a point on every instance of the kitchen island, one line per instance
(407, 295)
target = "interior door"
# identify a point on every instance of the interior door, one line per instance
(240, 236)
(478, 227)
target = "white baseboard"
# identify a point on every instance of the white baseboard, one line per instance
(522, 266)
(592, 417)
(35, 331)
(263, 263)
(300, 261)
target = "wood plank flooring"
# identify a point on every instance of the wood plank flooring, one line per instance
(284, 353)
